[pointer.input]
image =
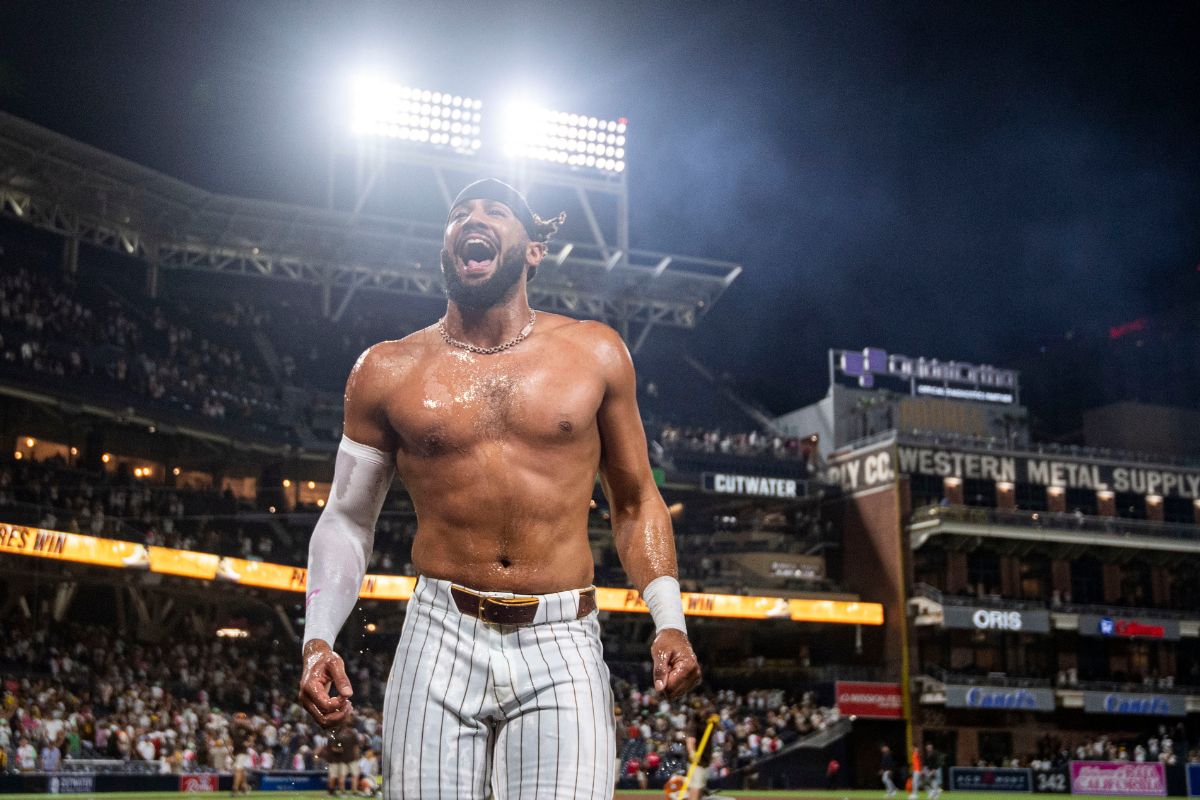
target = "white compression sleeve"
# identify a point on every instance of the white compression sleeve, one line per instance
(665, 603)
(344, 536)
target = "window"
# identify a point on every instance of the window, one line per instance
(1035, 578)
(995, 747)
(1087, 581)
(983, 570)
(1031, 497)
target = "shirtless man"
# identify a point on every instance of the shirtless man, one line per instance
(497, 420)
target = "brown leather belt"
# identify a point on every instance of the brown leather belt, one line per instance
(510, 610)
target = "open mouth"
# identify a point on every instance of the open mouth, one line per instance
(477, 253)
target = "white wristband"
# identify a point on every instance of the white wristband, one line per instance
(665, 603)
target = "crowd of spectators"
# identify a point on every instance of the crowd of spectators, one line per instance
(115, 504)
(82, 692)
(54, 330)
(50, 495)
(656, 737)
(78, 335)
(755, 444)
(1166, 744)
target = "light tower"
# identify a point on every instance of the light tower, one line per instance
(404, 152)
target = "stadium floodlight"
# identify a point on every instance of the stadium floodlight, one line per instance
(389, 110)
(575, 140)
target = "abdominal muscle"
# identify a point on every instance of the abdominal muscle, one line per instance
(510, 527)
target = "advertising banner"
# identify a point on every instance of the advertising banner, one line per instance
(704, 604)
(71, 784)
(1000, 698)
(976, 618)
(41, 543)
(754, 485)
(184, 563)
(62, 546)
(1052, 781)
(292, 781)
(1193, 780)
(200, 782)
(866, 471)
(990, 779)
(866, 699)
(1157, 705)
(1118, 778)
(1129, 627)
(873, 367)
(1069, 474)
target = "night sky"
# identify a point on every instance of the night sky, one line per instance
(958, 180)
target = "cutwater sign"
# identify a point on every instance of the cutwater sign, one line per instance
(1000, 698)
(756, 485)
(1155, 705)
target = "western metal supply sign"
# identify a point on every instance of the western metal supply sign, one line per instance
(754, 485)
(1118, 778)
(864, 471)
(974, 618)
(1048, 471)
(1129, 627)
(1135, 703)
(991, 779)
(1000, 698)
(873, 368)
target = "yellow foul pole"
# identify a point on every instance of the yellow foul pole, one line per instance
(687, 779)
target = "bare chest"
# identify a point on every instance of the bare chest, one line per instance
(455, 403)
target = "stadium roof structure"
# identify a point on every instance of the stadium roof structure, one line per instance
(87, 195)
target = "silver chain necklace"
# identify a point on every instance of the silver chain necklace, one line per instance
(486, 351)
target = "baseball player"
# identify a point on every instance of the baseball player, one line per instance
(497, 420)
(931, 777)
(887, 766)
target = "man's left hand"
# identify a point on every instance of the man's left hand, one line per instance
(676, 670)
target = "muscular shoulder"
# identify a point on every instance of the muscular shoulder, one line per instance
(374, 379)
(380, 365)
(602, 345)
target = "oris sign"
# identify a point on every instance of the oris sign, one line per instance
(1000, 698)
(996, 619)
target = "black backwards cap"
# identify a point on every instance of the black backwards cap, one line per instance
(501, 192)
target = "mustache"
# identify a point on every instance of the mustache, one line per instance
(497, 287)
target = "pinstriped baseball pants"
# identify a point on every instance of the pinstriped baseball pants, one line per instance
(476, 711)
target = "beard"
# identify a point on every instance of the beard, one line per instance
(491, 291)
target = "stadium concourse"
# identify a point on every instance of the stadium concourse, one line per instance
(899, 563)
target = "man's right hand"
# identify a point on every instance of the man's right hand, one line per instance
(323, 668)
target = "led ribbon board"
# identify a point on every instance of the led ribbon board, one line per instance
(61, 546)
